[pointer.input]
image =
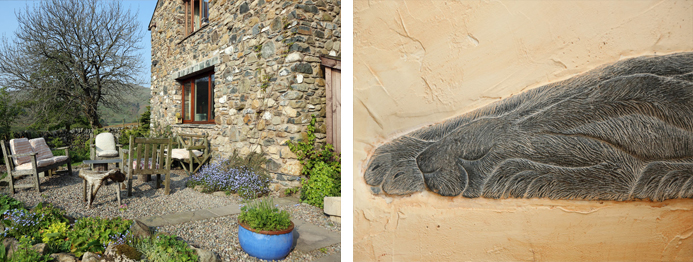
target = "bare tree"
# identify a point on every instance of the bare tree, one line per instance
(73, 52)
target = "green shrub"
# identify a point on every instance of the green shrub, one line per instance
(320, 185)
(142, 130)
(9, 203)
(165, 248)
(264, 215)
(321, 165)
(94, 234)
(25, 254)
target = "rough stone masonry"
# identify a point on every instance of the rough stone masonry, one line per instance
(268, 79)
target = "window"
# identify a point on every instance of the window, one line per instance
(198, 99)
(196, 14)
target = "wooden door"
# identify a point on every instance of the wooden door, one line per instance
(333, 112)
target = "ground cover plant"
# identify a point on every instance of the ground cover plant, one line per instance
(230, 176)
(47, 224)
(320, 164)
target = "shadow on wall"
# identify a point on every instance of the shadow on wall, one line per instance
(619, 132)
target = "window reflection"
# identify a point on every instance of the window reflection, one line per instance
(201, 98)
(186, 101)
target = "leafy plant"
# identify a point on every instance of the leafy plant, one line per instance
(20, 222)
(292, 190)
(9, 203)
(309, 154)
(320, 185)
(165, 248)
(227, 175)
(8, 113)
(25, 253)
(55, 236)
(263, 215)
(320, 164)
(94, 234)
(142, 130)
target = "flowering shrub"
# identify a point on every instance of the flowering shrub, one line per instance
(20, 222)
(264, 215)
(220, 175)
(94, 234)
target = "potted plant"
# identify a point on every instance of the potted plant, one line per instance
(264, 231)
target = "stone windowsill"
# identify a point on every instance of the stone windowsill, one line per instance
(193, 33)
(203, 126)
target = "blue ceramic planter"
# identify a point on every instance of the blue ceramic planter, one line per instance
(268, 245)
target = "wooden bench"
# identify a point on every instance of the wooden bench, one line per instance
(37, 158)
(145, 157)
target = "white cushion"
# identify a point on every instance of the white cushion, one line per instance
(39, 163)
(104, 142)
(57, 159)
(184, 153)
(39, 146)
(141, 165)
(21, 146)
(107, 153)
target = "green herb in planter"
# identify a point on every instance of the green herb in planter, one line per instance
(262, 214)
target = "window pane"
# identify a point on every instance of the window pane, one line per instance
(211, 89)
(186, 101)
(201, 99)
(196, 4)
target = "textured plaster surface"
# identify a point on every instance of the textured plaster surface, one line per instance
(420, 62)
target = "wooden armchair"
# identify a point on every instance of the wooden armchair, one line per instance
(30, 157)
(145, 157)
(104, 146)
(192, 149)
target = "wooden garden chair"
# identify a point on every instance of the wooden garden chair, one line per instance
(31, 157)
(146, 157)
(192, 149)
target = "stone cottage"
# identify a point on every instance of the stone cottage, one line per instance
(249, 74)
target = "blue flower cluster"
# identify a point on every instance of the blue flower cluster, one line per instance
(220, 176)
(22, 222)
(118, 239)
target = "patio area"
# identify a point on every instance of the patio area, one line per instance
(216, 230)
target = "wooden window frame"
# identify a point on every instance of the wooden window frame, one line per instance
(210, 98)
(189, 15)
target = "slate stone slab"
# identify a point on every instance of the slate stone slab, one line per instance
(620, 132)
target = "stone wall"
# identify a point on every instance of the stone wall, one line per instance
(268, 77)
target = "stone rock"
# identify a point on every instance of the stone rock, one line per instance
(293, 57)
(292, 167)
(90, 257)
(291, 95)
(139, 229)
(63, 257)
(11, 245)
(276, 24)
(267, 49)
(219, 193)
(40, 247)
(333, 206)
(300, 47)
(336, 46)
(285, 152)
(284, 72)
(290, 112)
(302, 68)
(243, 8)
(206, 255)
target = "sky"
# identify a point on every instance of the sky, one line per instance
(143, 9)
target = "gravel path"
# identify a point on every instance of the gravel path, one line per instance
(217, 234)
(221, 236)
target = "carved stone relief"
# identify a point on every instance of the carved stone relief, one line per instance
(619, 132)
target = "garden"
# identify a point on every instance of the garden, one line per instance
(55, 226)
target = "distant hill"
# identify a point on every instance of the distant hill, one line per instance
(132, 106)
